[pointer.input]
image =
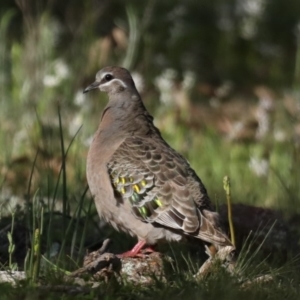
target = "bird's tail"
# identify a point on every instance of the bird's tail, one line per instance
(211, 232)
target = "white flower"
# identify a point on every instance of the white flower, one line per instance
(75, 124)
(51, 80)
(79, 98)
(280, 135)
(61, 69)
(139, 81)
(189, 80)
(88, 141)
(259, 166)
(251, 11)
(165, 84)
(60, 72)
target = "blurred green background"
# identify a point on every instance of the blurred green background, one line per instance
(221, 77)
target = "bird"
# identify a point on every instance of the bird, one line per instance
(140, 184)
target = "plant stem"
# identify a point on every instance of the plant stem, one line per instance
(226, 184)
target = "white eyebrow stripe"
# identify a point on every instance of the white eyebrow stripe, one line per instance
(115, 79)
(104, 74)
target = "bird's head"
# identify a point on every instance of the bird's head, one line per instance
(112, 80)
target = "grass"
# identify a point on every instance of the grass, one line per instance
(180, 284)
(73, 230)
(46, 127)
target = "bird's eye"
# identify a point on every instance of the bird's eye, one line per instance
(108, 77)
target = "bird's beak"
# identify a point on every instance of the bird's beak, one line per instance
(93, 86)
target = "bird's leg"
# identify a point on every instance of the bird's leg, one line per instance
(134, 251)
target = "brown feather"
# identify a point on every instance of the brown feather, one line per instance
(140, 184)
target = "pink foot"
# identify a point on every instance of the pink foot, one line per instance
(135, 251)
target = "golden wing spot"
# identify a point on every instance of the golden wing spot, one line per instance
(143, 182)
(136, 188)
(158, 202)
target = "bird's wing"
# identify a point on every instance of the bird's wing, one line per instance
(162, 188)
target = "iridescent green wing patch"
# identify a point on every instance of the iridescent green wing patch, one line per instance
(137, 190)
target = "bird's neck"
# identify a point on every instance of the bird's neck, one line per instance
(122, 118)
(125, 115)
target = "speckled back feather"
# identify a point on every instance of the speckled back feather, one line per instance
(162, 188)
